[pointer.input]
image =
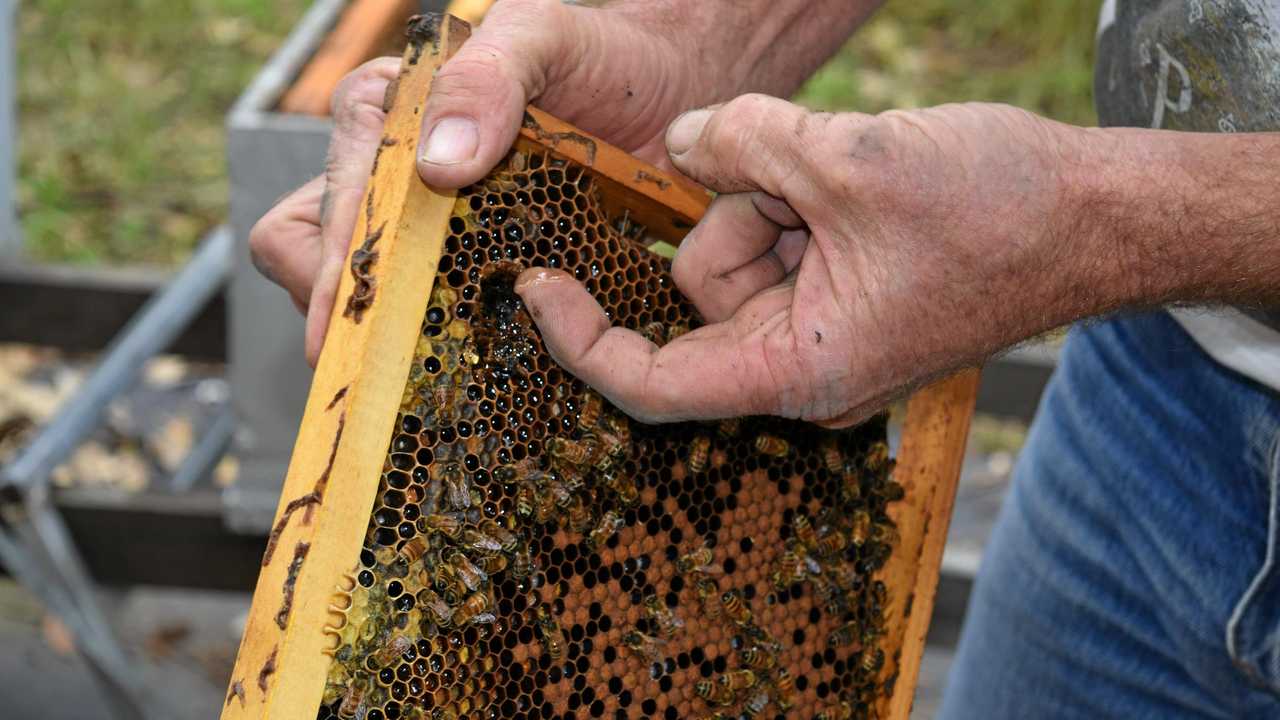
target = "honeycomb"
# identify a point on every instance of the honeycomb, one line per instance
(533, 553)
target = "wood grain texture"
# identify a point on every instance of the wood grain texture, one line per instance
(333, 475)
(667, 205)
(934, 436)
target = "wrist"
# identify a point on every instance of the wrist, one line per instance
(765, 46)
(1124, 199)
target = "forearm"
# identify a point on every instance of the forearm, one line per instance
(765, 46)
(1181, 217)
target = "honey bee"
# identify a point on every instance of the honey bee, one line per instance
(624, 485)
(440, 609)
(552, 635)
(621, 428)
(413, 550)
(832, 542)
(860, 527)
(805, 533)
(762, 638)
(871, 662)
(756, 704)
(794, 566)
(480, 542)
(544, 504)
(521, 564)
(612, 451)
(877, 457)
(466, 571)
(447, 524)
(833, 458)
(699, 451)
(475, 610)
(444, 397)
(572, 451)
(390, 651)
(884, 533)
(785, 685)
(592, 406)
(431, 500)
(578, 515)
(892, 491)
(352, 702)
(493, 564)
(676, 331)
(609, 524)
(851, 487)
(698, 561)
(735, 608)
(526, 500)
(707, 590)
(729, 427)
(847, 634)
(772, 445)
(738, 680)
(758, 658)
(655, 333)
(457, 487)
(506, 539)
(661, 616)
(646, 646)
(714, 693)
(843, 711)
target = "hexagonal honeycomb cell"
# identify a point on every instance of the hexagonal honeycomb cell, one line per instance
(533, 553)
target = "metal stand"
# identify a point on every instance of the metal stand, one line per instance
(34, 543)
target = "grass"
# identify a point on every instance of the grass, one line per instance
(121, 106)
(1036, 54)
(121, 102)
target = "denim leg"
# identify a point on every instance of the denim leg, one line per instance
(1133, 569)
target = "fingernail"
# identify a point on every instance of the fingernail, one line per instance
(453, 140)
(684, 131)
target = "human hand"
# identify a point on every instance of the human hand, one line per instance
(617, 73)
(848, 259)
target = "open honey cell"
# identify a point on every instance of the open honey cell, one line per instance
(472, 533)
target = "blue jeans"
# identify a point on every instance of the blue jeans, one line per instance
(1134, 570)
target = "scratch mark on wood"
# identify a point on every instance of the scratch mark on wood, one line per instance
(322, 482)
(308, 501)
(643, 175)
(362, 261)
(389, 95)
(336, 397)
(377, 154)
(286, 604)
(237, 691)
(268, 669)
(554, 139)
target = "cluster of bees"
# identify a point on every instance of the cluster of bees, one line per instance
(580, 474)
(502, 464)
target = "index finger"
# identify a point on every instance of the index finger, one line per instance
(727, 369)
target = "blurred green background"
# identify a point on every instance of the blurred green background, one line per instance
(121, 102)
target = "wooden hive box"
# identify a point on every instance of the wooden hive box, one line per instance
(466, 531)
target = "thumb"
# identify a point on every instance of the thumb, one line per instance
(478, 98)
(753, 142)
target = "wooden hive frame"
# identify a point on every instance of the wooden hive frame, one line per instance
(332, 479)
